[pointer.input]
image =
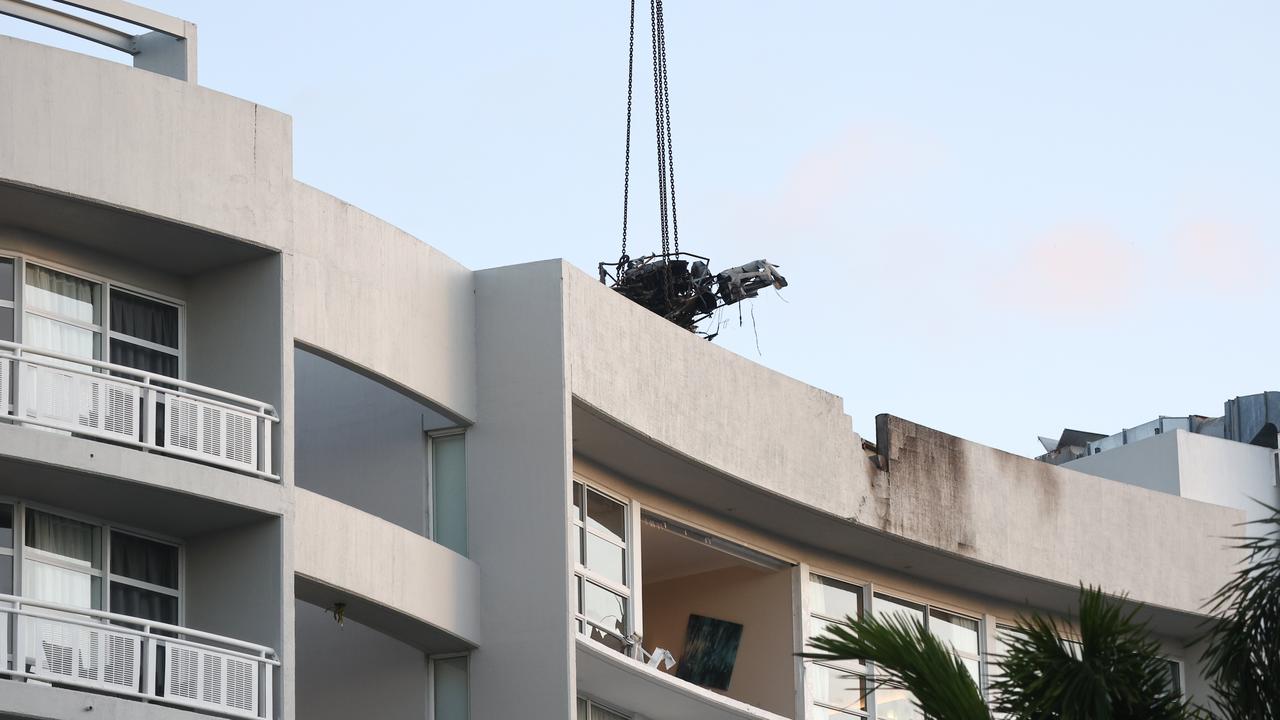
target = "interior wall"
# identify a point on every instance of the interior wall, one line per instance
(361, 442)
(352, 671)
(764, 674)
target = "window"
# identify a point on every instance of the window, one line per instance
(6, 549)
(961, 633)
(591, 710)
(450, 698)
(92, 319)
(602, 585)
(62, 312)
(70, 561)
(1175, 677)
(448, 487)
(832, 692)
(62, 561)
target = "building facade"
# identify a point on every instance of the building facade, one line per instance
(264, 455)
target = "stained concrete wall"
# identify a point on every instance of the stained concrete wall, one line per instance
(518, 496)
(352, 671)
(1051, 522)
(760, 601)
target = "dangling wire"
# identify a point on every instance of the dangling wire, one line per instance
(626, 166)
(655, 11)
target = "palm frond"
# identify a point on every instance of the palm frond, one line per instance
(1113, 672)
(906, 656)
(1242, 656)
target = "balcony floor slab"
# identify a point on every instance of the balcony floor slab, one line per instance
(24, 701)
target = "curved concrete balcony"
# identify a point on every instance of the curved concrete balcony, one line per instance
(149, 412)
(137, 659)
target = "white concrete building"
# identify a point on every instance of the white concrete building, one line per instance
(1231, 459)
(264, 455)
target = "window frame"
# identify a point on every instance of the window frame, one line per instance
(107, 285)
(430, 490)
(926, 607)
(592, 704)
(583, 574)
(20, 553)
(864, 672)
(431, 680)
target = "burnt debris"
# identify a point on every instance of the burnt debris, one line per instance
(681, 288)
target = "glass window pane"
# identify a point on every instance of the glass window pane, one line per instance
(960, 631)
(606, 517)
(61, 337)
(599, 713)
(72, 540)
(577, 501)
(1175, 677)
(887, 606)
(451, 696)
(6, 577)
(893, 704)
(582, 709)
(6, 324)
(144, 318)
(834, 599)
(141, 603)
(62, 294)
(580, 556)
(606, 559)
(834, 687)
(449, 491)
(142, 358)
(41, 581)
(818, 626)
(606, 609)
(6, 279)
(6, 525)
(146, 560)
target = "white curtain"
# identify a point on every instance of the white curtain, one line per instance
(62, 294)
(59, 337)
(56, 584)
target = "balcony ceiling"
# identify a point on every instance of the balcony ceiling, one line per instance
(154, 242)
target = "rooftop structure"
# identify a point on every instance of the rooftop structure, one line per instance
(264, 455)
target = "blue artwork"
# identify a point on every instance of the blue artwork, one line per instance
(710, 650)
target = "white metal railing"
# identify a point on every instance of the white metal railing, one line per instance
(137, 408)
(122, 655)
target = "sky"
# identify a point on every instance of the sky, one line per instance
(997, 219)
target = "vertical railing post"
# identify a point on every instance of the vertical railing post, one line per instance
(265, 448)
(19, 386)
(19, 637)
(149, 664)
(148, 412)
(268, 694)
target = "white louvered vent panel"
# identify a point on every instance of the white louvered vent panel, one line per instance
(85, 656)
(182, 417)
(122, 661)
(211, 677)
(242, 685)
(184, 673)
(211, 430)
(55, 392)
(242, 438)
(88, 397)
(122, 411)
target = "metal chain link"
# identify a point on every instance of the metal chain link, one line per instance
(659, 128)
(626, 167)
(666, 103)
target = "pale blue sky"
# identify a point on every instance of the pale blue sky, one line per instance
(998, 219)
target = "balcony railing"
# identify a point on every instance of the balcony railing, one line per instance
(122, 655)
(145, 410)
